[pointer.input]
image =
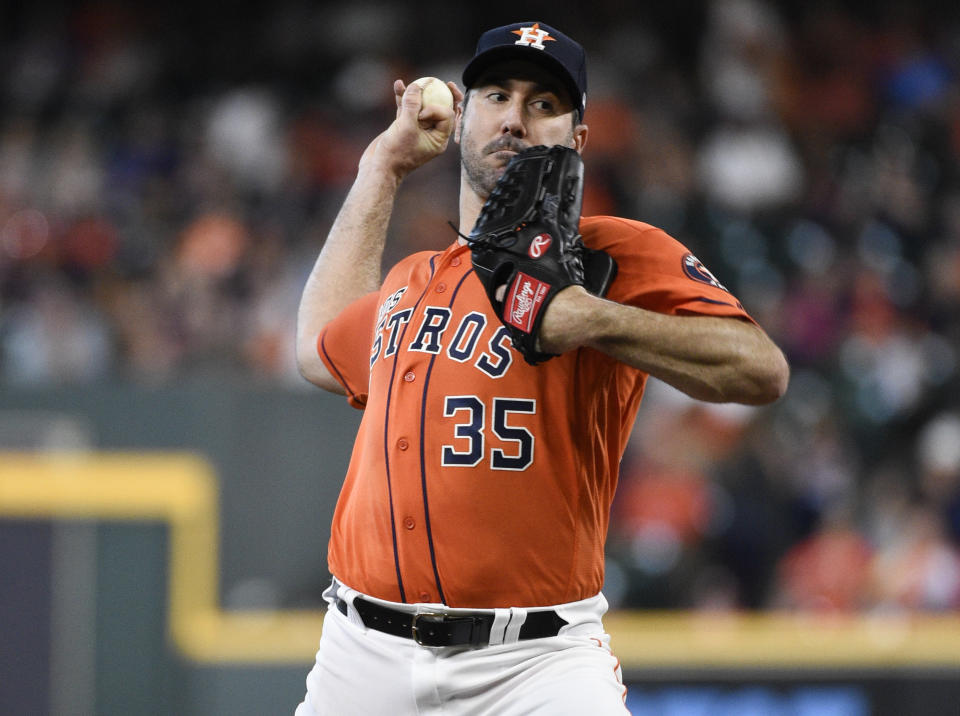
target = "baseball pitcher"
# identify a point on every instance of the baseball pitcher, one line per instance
(499, 378)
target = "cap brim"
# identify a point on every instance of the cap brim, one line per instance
(476, 67)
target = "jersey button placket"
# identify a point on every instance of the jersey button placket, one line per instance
(409, 376)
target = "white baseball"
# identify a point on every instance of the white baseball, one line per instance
(434, 91)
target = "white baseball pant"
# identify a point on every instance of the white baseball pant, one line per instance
(364, 672)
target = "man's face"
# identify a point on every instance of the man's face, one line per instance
(512, 106)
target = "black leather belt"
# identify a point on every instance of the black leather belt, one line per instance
(435, 629)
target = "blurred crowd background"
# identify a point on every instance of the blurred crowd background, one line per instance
(168, 175)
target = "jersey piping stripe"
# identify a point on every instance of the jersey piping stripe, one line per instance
(423, 465)
(714, 301)
(343, 381)
(386, 436)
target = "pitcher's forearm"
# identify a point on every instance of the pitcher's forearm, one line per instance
(709, 358)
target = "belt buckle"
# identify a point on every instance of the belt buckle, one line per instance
(415, 632)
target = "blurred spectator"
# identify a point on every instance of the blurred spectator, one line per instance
(55, 337)
(920, 569)
(828, 571)
(938, 458)
(243, 136)
(750, 168)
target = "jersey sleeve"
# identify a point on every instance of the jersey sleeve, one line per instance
(658, 273)
(344, 346)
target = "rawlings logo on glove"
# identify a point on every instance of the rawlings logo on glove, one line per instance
(526, 246)
(527, 301)
(539, 244)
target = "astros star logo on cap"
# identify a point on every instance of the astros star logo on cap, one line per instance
(533, 36)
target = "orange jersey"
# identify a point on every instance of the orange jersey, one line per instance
(478, 480)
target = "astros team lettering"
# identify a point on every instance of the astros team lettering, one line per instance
(388, 305)
(492, 358)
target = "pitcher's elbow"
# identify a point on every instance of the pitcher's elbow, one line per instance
(309, 364)
(772, 381)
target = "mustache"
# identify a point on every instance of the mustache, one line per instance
(505, 143)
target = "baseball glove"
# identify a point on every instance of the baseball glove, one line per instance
(526, 246)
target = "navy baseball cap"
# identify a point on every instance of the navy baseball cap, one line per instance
(533, 42)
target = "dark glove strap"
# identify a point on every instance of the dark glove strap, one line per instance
(599, 271)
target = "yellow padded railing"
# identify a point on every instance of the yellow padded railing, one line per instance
(180, 489)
